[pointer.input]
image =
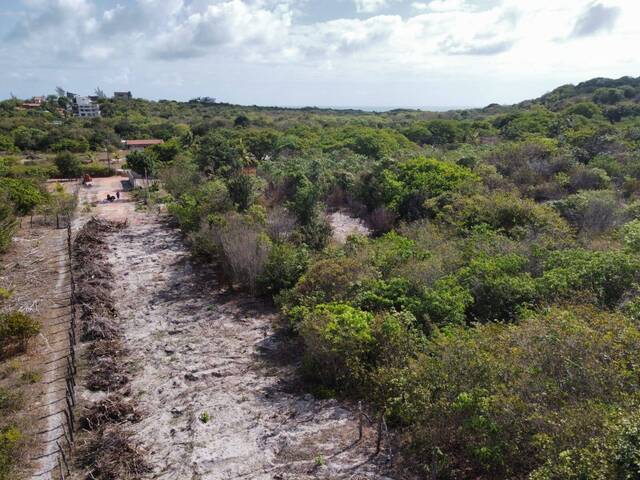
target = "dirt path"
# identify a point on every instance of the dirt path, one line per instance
(211, 373)
(35, 271)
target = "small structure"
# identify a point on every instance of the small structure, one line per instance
(85, 107)
(34, 103)
(122, 95)
(138, 145)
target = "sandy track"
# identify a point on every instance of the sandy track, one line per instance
(198, 352)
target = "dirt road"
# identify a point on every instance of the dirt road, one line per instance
(215, 380)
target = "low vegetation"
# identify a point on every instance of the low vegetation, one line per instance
(491, 316)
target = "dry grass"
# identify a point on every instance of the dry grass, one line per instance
(114, 409)
(108, 452)
(111, 455)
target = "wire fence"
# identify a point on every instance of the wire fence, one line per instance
(58, 436)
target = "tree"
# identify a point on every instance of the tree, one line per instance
(241, 121)
(68, 165)
(337, 338)
(60, 204)
(23, 194)
(219, 153)
(142, 162)
(608, 96)
(100, 93)
(27, 138)
(243, 190)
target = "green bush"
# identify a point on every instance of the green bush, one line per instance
(447, 302)
(505, 211)
(10, 442)
(68, 165)
(16, 327)
(328, 280)
(202, 204)
(631, 236)
(405, 189)
(502, 401)
(284, 267)
(142, 162)
(24, 194)
(500, 287)
(337, 338)
(96, 169)
(8, 222)
(605, 275)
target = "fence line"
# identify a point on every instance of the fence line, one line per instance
(67, 365)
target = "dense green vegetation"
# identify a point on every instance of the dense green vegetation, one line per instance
(492, 316)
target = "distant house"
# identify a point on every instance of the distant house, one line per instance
(137, 145)
(85, 107)
(122, 95)
(34, 103)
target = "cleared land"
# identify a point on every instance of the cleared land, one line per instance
(217, 384)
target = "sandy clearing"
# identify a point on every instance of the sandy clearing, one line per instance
(344, 225)
(198, 352)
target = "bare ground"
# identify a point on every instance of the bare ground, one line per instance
(344, 224)
(35, 271)
(214, 379)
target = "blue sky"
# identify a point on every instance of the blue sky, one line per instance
(316, 52)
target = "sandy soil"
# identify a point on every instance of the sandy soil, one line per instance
(216, 382)
(344, 225)
(35, 270)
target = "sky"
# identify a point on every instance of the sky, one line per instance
(378, 53)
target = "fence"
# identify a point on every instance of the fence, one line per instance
(59, 417)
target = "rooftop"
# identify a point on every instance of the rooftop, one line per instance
(151, 141)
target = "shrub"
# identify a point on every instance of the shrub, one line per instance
(243, 190)
(10, 442)
(18, 328)
(24, 194)
(501, 401)
(142, 162)
(407, 188)
(500, 287)
(202, 204)
(68, 165)
(96, 169)
(330, 280)
(9, 401)
(447, 302)
(394, 294)
(631, 236)
(605, 275)
(285, 265)
(316, 233)
(583, 178)
(244, 250)
(8, 222)
(506, 212)
(591, 212)
(337, 340)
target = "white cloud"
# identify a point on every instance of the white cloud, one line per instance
(232, 23)
(440, 38)
(441, 5)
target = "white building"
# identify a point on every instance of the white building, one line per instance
(85, 107)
